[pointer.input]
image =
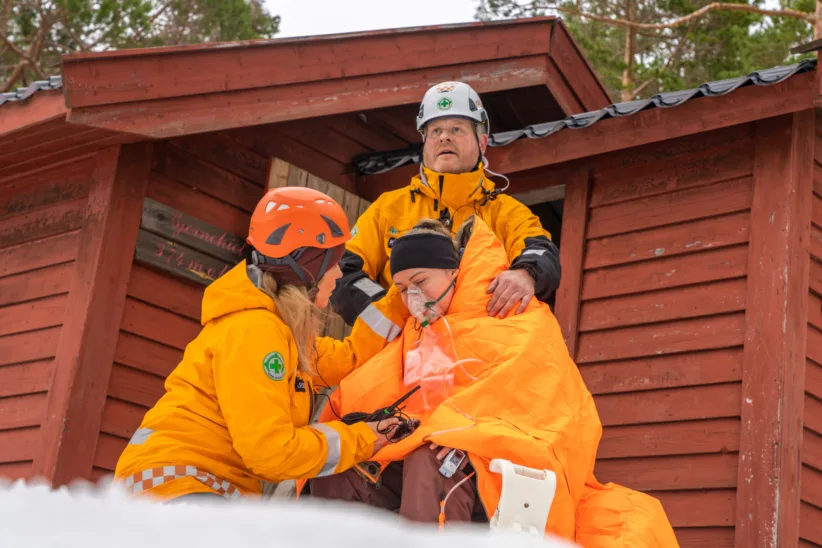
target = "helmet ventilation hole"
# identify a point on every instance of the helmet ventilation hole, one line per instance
(336, 232)
(282, 207)
(269, 206)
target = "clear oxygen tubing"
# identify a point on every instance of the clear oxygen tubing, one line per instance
(500, 175)
(459, 362)
(445, 499)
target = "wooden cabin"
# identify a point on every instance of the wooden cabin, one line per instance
(689, 226)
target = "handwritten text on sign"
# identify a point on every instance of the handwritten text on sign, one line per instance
(185, 246)
(191, 232)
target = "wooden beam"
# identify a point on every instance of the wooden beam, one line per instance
(773, 371)
(817, 93)
(44, 106)
(172, 117)
(273, 143)
(580, 76)
(278, 173)
(89, 334)
(815, 45)
(541, 195)
(558, 88)
(696, 116)
(143, 75)
(571, 254)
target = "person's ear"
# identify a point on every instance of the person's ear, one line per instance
(483, 143)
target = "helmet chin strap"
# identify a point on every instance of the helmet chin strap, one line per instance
(261, 262)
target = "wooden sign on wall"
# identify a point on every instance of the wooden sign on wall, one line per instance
(185, 246)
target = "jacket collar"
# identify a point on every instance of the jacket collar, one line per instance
(233, 292)
(454, 190)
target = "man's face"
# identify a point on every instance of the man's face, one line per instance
(451, 145)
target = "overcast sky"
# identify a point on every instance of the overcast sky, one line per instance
(312, 17)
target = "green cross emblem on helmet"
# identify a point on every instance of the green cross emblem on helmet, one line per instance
(274, 366)
(444, 103)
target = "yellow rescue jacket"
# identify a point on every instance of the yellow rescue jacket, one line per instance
(237, 408)
(526, 403)
(452, 198)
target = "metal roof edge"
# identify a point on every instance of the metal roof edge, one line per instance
(21, 94)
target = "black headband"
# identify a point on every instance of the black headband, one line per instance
(423, 250)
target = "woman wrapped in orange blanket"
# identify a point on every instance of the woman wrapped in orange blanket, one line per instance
(491, 387)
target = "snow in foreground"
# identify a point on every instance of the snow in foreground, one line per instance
(103, 517)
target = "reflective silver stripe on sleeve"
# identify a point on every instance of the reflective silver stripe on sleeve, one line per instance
(368, 286)
(332, 439)
(381, 325)
(140, 436)
(534, 252)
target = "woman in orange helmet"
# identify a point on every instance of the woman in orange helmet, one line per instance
(237, 407)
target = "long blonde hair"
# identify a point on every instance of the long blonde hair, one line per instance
(299, 313)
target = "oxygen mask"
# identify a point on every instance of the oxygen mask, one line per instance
(425, 311)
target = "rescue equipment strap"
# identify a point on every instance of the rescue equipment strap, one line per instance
(332, 438)
(142, 481)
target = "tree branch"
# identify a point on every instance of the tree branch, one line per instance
(668, 62)
(5, 16)
(25, 58)
(15, 74)
(138, 35)
(714, 6)
(31, 56)
(67, 26)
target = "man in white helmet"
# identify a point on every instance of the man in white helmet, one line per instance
(452, 185)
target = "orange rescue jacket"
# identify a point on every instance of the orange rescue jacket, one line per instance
(236, 409)
(529, 405)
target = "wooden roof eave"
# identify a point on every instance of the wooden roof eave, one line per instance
(167, 92)
(44, 106)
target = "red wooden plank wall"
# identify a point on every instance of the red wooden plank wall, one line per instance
(810, 512)
(210, 178)
(663, 232)
(41, 214)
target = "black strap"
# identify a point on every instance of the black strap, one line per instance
(324, 266)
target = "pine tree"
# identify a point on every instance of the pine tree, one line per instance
(642, 47)
(34, 34)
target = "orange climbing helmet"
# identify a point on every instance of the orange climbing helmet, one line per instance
(298, 233)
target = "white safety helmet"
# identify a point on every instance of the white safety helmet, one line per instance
(448, 99)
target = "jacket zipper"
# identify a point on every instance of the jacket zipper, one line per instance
(445, 217)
